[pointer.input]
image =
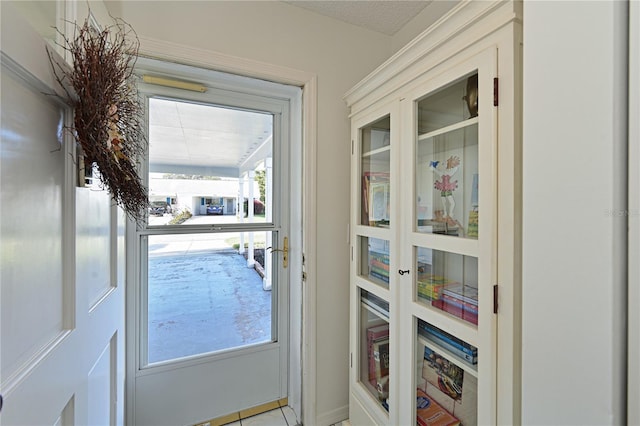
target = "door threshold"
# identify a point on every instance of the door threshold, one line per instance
(243, 414)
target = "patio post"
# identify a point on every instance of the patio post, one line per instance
(250, 255)
(268, 196)
(240, 211)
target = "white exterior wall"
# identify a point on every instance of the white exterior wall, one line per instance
(574, 224)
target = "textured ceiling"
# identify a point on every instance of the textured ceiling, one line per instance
(386, 16)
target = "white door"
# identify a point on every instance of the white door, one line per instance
(62, 293)
(209, 328)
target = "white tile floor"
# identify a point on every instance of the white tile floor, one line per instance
(279, 417)
(283, 416)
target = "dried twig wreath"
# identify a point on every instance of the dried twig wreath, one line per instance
(108, 115)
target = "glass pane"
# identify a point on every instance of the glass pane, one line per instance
(446, 377)
(199, 171)
(374, 346)
(449, 282)
(376, 188)
(447, 164)
(374, 260)
(449, 105)
(206, 295)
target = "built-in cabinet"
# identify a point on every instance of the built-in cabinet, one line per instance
(434, 238)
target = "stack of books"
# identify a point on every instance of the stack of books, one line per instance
(379, 259)
(430, 286)
(458, 347)
(460, 300)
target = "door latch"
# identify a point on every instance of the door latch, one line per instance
(284, 250)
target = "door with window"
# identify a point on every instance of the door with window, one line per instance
(208, 314)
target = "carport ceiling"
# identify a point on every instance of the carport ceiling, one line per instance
(191, 138)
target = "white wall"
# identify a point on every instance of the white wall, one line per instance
(573, 225)
(340, 55)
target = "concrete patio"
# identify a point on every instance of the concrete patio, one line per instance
(203, 297)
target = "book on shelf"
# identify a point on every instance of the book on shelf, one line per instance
(460, 303)
(374, 334)
(463, 292)
(443, 374)
(455, 311)
(449, 342)
(375, 198)
(379, 275)
(431, 286)
(381, 357)
(378, 252)
(470, 358)
(430, 413)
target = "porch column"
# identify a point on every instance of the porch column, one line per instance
(250, 258)
(240, 211)
(268, 197)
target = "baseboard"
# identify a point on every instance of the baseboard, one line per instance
(333, 417)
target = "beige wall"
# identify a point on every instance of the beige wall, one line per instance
(340, 55)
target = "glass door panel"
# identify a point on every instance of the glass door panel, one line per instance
(197, 164)
(204, 297)
(446, 378)
(374, 347)
(449, 282)
(375, 151)
(374, 260)
(446, 198)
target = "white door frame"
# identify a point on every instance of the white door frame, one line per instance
(302, 386)
(633, 217)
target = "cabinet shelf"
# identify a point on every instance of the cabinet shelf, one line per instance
(375, 152)
(375, 309)
(447, 129)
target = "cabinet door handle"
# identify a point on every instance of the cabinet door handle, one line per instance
(401, 272)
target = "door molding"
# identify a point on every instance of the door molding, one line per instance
(302, 355)
(633, 217)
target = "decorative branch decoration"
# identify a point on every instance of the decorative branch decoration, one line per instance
(108, 121)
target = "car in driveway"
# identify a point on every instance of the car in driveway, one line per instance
(215, 209)
(159, 208)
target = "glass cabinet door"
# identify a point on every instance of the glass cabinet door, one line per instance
(373, 259)
(375, 150)
(450, 252)
(448, 282)
(446, 156)
(374, 347)
(446, 378)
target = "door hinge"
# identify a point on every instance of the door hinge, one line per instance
(495, 299)
(351, 146)
(351, 360)
(495, 91)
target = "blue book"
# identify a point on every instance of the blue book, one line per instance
(443, 336)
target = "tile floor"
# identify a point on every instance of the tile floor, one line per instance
(283, 416)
